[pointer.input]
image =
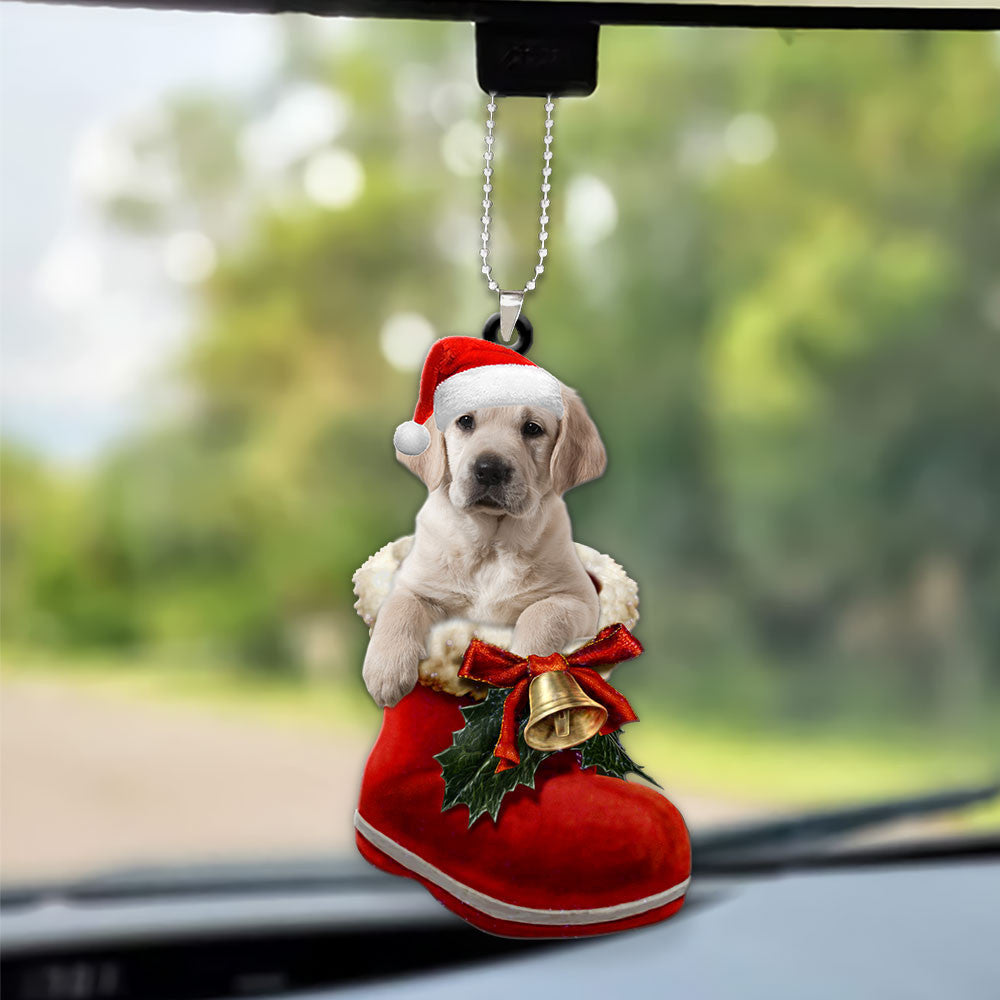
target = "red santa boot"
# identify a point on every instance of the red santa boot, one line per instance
(579, 853)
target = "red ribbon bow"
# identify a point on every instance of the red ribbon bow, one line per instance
(499, 667)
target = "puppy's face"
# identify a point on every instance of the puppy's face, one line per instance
(504, 460)
(499, 458)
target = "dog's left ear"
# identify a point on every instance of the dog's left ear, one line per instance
(579, 454)
(431, 465)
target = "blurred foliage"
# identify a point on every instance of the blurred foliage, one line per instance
(790, 341)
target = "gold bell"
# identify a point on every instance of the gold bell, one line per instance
(560, 714)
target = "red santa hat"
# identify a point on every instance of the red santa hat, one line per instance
(465, 373)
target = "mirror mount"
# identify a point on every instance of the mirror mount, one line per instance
(524, 59)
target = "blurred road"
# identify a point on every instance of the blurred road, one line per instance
(92, 780)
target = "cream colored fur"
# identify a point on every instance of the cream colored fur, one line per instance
(448, 640)
(512, 564)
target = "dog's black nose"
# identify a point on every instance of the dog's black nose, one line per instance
(491, 470)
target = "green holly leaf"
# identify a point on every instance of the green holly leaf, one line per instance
(607, 754)
(468, 765)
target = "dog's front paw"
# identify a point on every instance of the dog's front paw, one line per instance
(390, 671)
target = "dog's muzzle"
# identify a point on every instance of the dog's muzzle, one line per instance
(490, 477)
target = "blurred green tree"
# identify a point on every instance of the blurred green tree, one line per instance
(791, 343)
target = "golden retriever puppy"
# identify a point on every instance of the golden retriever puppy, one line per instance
(493, 541)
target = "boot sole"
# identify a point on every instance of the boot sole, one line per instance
(495, 916)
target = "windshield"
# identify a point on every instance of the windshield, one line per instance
(228, 243)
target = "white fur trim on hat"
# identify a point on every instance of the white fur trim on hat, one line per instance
(411, 438)
(496, 385)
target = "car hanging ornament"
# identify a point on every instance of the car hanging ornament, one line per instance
(498, 778)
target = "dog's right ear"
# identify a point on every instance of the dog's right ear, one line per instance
(579, 454)
(431, 465)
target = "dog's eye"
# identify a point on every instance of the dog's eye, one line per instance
(532, 430)
(466, 421)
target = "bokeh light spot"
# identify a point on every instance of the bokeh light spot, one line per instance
(452, 99)
(750, 138)
(591, 210)
(308, 117)
(334, 178)
(404, 340)
(462, 148)
(101, 163)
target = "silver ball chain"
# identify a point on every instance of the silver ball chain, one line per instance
(543, 218)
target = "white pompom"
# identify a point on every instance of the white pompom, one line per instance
(411, 438)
